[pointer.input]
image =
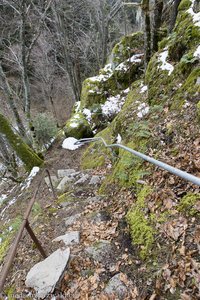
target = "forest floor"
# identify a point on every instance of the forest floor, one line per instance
(105, 255)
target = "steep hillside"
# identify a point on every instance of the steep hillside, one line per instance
(160, 117)
(138, 226)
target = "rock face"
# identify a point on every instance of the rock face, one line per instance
(66, 172)
(54, 180)
(116, 287)
(44, 276)
(63, 184)
(69, 238)
(99, 251)
(78, 127)
(69, 221)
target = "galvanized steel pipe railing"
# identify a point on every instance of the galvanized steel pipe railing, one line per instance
(25, 224)
(173, 170)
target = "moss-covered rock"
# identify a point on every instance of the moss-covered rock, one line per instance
(141, 230)
(188, 204)
(128, 45)
(97, 155)
(23, 151)
(78, 127)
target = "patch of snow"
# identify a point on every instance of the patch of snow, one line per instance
(122, 67)
(113, 105)
(2, 198)
(126, 91)
(119, 139)
(195, 16)
(10, 203)
(108, 67)
(187, 104)
(69, 144)
(144, 88)
(99, 78)
(125, 65)
(1, 240)
(28, 180)
(91, 92)
(136, 58)
(77, 106)
(73, 125)
(165, 65)
(143, 110)
(10, 228)
(87, 114)
(197, 52)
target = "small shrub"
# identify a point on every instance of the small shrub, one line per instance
(44, 128)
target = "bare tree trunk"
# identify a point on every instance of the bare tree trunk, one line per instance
(147, 21)
(23, 151)
(174, 13)
(157, 23)
(10, 97)
(25, 79)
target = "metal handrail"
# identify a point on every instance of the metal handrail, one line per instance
(173, 170)
(25, 224)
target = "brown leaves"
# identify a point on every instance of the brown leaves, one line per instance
(175, 228)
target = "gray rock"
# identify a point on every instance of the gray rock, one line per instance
(54, 180)
(83, 179)
(116, 286)
(198, 81)
(64, 183)
(95, 180)
(44, 276)
(101, 216)
(72, 237)
(67, 172)
(95, 199)
(99, 251)
(71, 220)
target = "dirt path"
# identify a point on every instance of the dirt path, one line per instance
(102, 252)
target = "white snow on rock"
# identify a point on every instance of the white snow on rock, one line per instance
(195, 16)
(165, 65)
(143, 110)
(87, 114)
(44, 276)
(124, 66)
(69, 143)
(144, 88)
(126, 91)
(197, 52)
(119, 139)
(113, 105)
(28, 180)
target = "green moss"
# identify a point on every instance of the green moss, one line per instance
(142, 232)
(198, 110)
(66, 197)
(78, 127)
(96, 154)
(191, 84)
(126, 46)
(24, 152)
(187, 204)
(10, 293)
(36, 210)
(185, 4)
(7, 234)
